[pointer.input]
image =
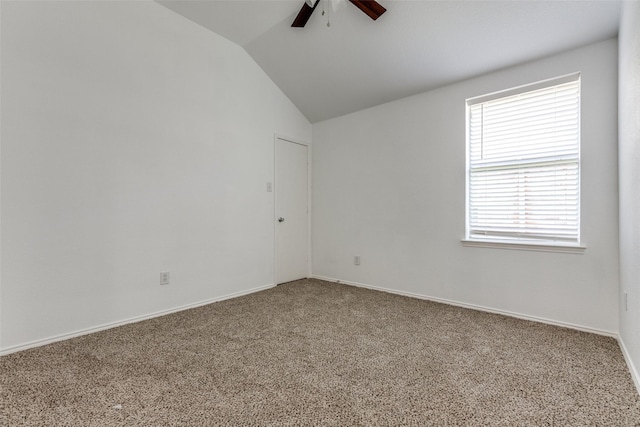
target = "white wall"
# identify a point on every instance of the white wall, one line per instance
(389, 185)
(629, 161)
(133, 142)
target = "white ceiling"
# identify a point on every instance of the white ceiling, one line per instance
(415, 46)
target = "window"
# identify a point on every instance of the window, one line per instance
(523, 165)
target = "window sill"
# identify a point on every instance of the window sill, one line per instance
(522, 246)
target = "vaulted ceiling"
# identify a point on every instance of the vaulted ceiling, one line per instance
(356, 63)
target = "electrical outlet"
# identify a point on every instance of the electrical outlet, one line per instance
(356, 260)
(164, 278)
(626, 301)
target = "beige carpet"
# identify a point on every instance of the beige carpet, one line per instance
(317, 353)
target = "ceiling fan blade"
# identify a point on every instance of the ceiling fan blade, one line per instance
(304, 14)
(371, 7)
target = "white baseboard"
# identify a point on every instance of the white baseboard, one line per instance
(635, 374)
(632, 368)
(475, 307)
(62, 337)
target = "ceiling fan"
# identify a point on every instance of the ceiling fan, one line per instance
(372, 8)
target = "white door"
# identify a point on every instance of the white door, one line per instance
(291, 211)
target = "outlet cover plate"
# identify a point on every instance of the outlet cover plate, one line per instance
(164, 278)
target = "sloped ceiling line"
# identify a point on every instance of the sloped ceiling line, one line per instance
(415, 46)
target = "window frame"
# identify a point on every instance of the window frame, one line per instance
(523, 244)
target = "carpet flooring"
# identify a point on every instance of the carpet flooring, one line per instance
(318, 353)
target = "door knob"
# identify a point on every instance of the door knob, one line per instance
(280, 219)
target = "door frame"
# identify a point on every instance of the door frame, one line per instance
(276, 137)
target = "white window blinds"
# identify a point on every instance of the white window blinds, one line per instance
(524, 165)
